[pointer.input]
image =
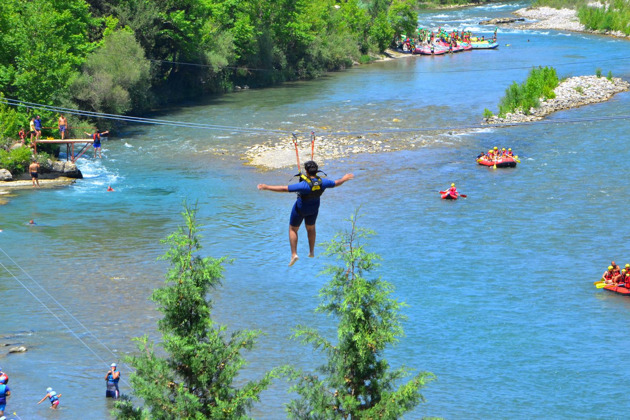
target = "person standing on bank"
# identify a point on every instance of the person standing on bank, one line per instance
(33, 168)
(63, 125)
(306, 207)
(38, 128)
(112, 377)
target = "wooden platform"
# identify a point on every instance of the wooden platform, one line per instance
(69, 146)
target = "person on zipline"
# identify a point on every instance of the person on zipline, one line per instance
(306, 207)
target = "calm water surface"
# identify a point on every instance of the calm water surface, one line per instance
(499, 285)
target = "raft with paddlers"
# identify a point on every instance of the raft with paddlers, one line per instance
(621, 290)
(451, 194)
(504, 162)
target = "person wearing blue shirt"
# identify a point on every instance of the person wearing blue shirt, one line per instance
(306, 207)
(4, 393)
(38, 127)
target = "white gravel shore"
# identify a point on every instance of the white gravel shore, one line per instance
(549, 18)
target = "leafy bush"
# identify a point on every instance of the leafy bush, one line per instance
(609, 76)
(579, 90)
(539, 84)
(598, 72)
(15, 161)
(487, 113)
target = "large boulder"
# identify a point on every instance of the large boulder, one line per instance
(71, 171)
(57, 166)
(5, 175)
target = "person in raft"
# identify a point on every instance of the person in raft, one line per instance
(452, 191)
(306, 207)
(53, 396)
(608, 275)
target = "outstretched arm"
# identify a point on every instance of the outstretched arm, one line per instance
(274, 188)
(42, 400)
(343, 179)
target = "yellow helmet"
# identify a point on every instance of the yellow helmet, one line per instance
(496, 148)
(503, 149)
(623, 271)
(627, 265)
(452, 185)
(610, 267)
(510, 149)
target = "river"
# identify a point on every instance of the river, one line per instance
(502, 307)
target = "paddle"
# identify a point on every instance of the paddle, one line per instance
(459, 195)
(601, 285)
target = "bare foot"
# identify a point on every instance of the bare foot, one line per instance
(311, 255)
(294, 258)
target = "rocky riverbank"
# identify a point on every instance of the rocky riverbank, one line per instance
(51, 174)
(558, 19)
(571, 93)
(550, 18)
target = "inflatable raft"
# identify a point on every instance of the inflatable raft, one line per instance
(484, 45)
(430, 50)
(618, 289)
(448, 196)
(506, 162)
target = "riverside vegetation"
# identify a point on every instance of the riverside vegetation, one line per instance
(610, 16)
(542, 93)
(193, 375)
(129, 56)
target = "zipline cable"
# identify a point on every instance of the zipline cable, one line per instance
(14, 102)
(63, 308)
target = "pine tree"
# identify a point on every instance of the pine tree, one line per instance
(356, 382)
(195, 378)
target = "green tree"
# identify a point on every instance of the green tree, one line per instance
(403, 17)
(116, 77)
(357, 381)
(195, 380)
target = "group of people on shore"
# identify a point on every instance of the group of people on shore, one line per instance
(35, 129)
(452, 38)
(35, 132)
(615, 276)
(495, 154)
(111, 377)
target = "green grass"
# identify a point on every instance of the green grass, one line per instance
(615, 16)
(540, 83)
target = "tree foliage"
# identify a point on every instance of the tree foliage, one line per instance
(80, 53)
(357, 381)
(116, 76)
(196, 377)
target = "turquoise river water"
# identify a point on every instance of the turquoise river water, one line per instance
(502, 307)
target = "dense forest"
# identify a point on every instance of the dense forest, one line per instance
(128, 56)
